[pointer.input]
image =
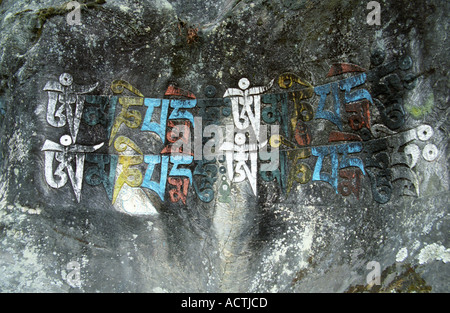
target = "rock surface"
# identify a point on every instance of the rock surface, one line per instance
(320, 235)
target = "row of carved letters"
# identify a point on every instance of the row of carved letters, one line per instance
(348, 169)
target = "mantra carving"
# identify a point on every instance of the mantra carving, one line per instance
(297, 135)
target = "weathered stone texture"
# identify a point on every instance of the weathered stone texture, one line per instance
(312, 239)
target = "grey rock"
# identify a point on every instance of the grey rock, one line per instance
(312, 239)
